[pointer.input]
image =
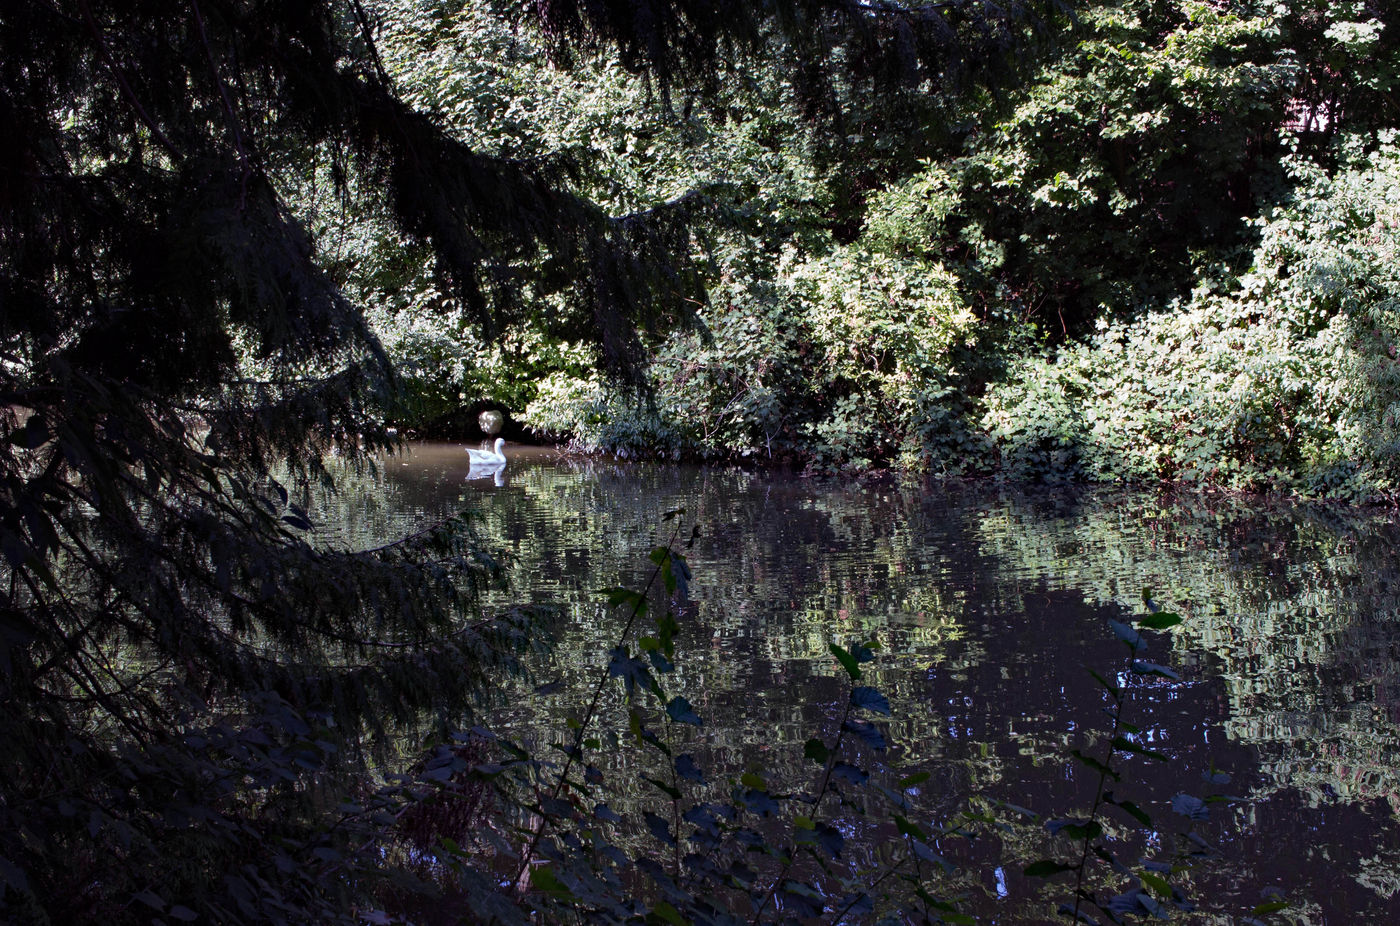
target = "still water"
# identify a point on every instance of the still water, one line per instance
(990, 606)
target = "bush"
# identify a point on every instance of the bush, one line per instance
(849, 358)
(1285, 379)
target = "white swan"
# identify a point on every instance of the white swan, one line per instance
(492, 457)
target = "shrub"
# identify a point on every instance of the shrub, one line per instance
(1284, 379)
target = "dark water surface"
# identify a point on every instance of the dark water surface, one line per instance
(990, 606)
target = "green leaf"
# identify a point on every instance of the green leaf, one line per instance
(1159, 885)
(1159, 621)
(664, 911)
(667, 627)
(1132, 810)
(750, 780)
(1096, 765)
(848, 662)
(1272, 906)
(619, 596)
(1075, 829)
(910, 781)
(1126, 745)
(542, 879)
(1112, 688)
(816, 750)
(1045, 868)
(907, 828)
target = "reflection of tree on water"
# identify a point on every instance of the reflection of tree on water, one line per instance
(1296, 607)
(988, 605)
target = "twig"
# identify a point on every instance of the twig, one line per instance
(583, 726)
(121, 79)
(235, 129)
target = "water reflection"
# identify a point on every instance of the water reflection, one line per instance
(989, 604)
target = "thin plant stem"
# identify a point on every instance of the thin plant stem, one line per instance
(573, 753)
(1098, 796)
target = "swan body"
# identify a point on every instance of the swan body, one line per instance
(492, 457)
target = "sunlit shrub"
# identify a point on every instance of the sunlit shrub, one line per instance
(1285, 379)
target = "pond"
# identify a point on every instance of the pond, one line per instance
(990, 606)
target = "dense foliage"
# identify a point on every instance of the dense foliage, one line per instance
(1283, 378)
(922, 277)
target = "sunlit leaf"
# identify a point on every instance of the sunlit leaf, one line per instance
(1159, 621)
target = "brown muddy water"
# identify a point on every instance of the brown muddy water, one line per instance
(990, 606)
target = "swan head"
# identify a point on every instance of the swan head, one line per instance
(500, 442)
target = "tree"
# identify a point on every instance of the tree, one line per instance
(191, 683)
